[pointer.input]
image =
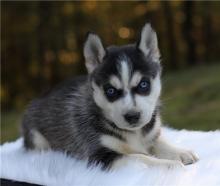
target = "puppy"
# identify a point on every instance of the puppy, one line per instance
(111, 116)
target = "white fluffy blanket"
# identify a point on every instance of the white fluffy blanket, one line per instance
(53, 168)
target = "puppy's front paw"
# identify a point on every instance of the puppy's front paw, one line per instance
(172, 164)
(165, 163)
(187, 157)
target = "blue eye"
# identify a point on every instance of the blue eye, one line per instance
(143, 84)
(110, 91)
(143, 87)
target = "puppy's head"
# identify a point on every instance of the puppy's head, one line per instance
(126, 79)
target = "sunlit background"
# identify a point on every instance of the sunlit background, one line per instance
(41, 45)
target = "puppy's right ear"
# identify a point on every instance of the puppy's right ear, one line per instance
(94, 51)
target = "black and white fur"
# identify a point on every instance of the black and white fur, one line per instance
(80, 118)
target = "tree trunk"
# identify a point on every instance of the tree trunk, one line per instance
(191, 56)
(173, 57)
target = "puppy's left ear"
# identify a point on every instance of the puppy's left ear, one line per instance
(94, 51)
(148, 43)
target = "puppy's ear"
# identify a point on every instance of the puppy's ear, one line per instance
(94, 51)
(148, 43)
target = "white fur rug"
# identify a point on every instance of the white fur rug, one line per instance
(53, 168)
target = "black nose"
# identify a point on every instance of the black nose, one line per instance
(132, 117)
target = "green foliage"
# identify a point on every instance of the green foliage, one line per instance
(191, 98)
(10, 126)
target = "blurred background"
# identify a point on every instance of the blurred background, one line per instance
(41, 45)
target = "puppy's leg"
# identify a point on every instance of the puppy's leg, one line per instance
(35, 140)
(147, 160)
(110, 159)
(162, 149)
(121, 154)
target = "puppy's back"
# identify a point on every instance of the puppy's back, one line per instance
(49, 121)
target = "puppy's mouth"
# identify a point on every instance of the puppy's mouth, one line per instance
(133, 126)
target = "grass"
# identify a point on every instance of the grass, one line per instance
(190, 100)
(10, 126)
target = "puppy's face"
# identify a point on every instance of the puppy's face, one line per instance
(125, 80)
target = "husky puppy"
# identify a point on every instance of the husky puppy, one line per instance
(111, 116)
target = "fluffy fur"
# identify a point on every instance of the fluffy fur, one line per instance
(110, 116)
(54, 168)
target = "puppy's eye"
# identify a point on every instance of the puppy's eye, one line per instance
(111, 92)
(143, 87)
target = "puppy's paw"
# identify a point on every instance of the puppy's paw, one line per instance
(187, 157)
(172, 164)
(176, 164)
